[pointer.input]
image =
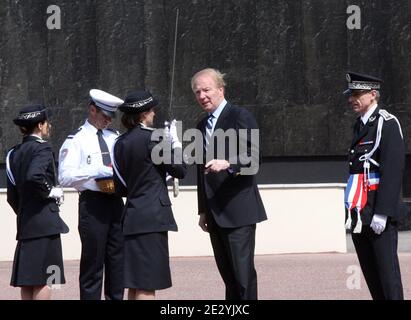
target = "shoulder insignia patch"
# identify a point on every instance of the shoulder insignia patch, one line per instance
(386, 115)
(114, 131)
(73, 133)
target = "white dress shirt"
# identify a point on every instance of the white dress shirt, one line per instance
(216, 113)
(368, 114)
(80, 157)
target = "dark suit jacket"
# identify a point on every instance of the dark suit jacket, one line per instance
(32, 165)
(391, 157)
(148, 206)
(232, 198)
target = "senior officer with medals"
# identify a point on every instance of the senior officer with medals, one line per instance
(147, 214)
(33, 194)
(373, 190)
(85, 164)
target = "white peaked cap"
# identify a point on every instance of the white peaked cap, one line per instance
(105, 101)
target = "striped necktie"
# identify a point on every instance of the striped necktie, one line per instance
(104, 149)
(209, 130)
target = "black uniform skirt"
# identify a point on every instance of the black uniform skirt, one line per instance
(38, 262)
(146, 261)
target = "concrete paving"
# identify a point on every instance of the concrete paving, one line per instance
(291, 276)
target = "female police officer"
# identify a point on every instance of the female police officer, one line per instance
(147, 214)
(34, 197)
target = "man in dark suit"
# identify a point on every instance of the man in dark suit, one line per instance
(229, 203)
(373, 190)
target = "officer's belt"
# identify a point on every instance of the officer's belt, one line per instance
(95, 193)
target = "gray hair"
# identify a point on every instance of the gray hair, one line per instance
(216, 74)
(378, 95)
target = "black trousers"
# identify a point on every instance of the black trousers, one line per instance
(102, 246)
(234, 254)
(379, 263)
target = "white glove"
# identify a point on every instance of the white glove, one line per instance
(104, 171)
(175, 142)
(167, 133)
(57, 193)
(378, 223)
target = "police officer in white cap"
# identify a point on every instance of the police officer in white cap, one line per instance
(84, 160)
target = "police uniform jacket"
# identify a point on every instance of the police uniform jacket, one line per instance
(390, 156)
(232, 198)
(33, 169)
(148, 206)
(80, 157)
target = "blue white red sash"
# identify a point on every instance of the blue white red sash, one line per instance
(356, 194)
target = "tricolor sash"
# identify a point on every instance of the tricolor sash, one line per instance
(356, 194)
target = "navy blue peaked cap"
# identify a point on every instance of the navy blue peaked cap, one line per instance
(138, 101)
(359, 81)
(30, 115)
